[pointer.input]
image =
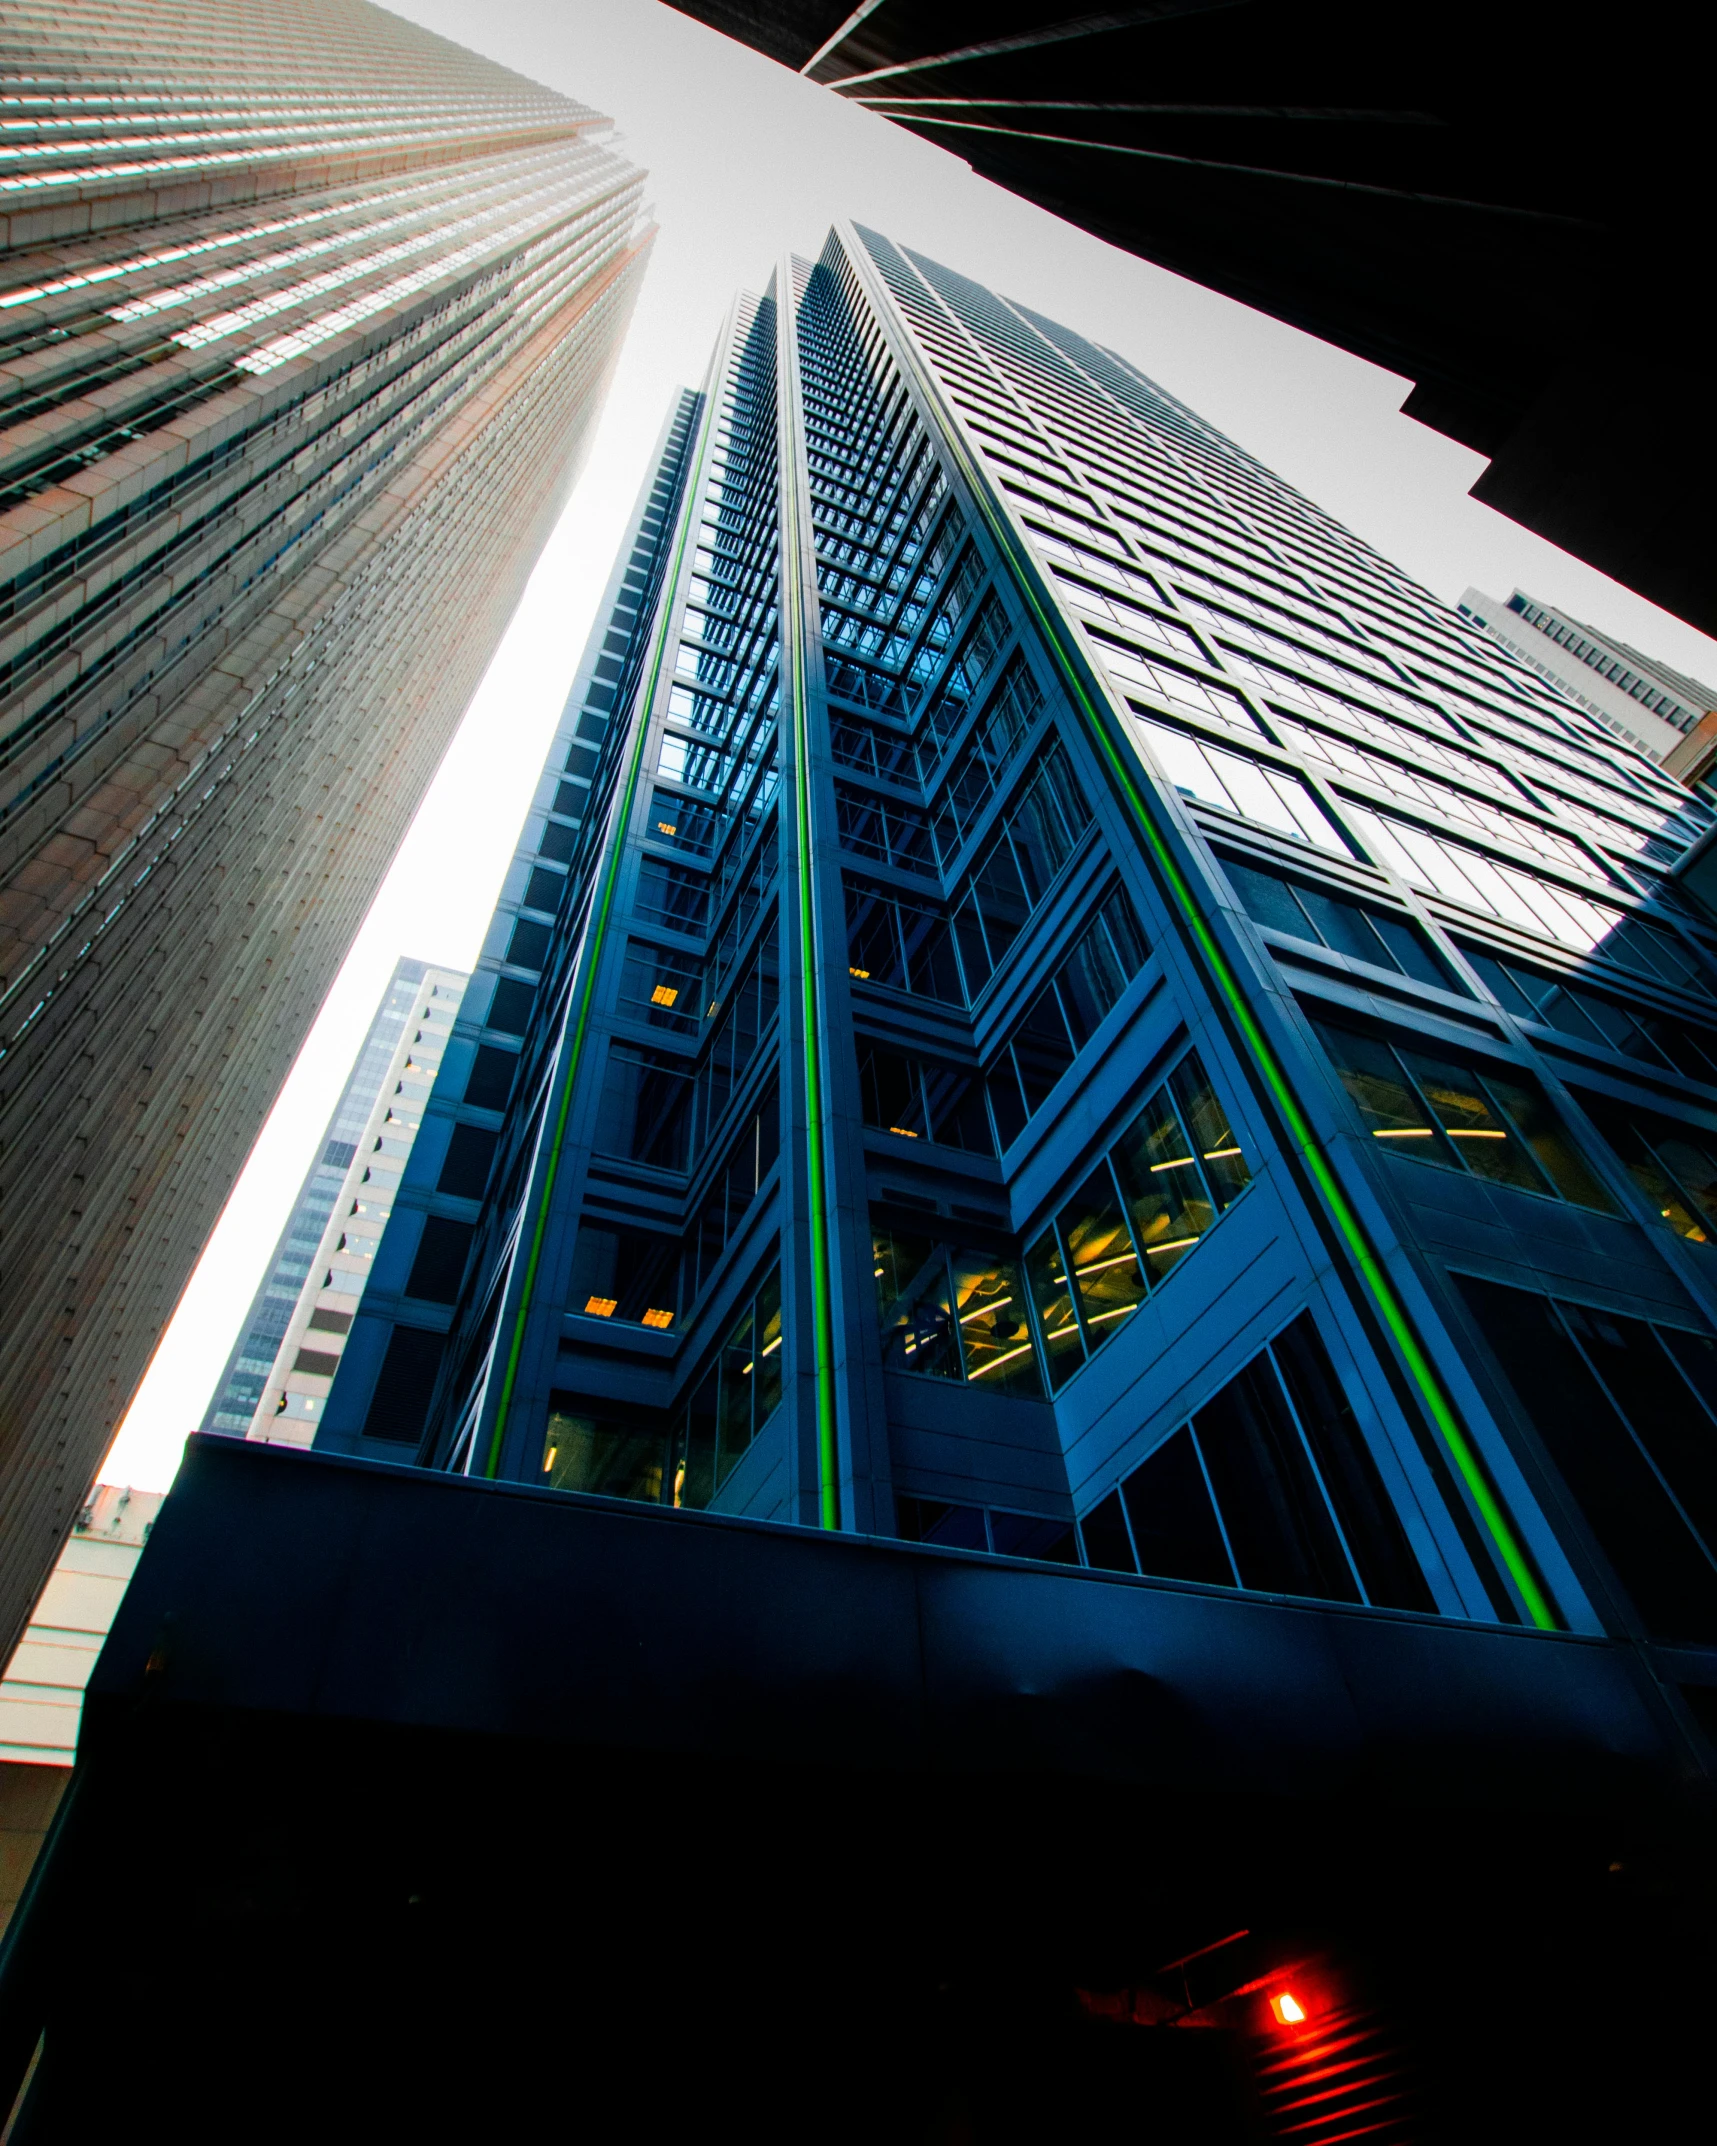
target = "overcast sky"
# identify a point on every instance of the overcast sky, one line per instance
(748, 162)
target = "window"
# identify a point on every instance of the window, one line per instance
(1675, 1166)
(906, 945)
(439, 1266)
(465, 1171)
(746, 1022)
(584, 1450)
(953, 1313)
(732, 1403)
(1437, 1107)
(1346, 927)
(400, 1405)
(631, 1275)
(920, 1099)
(1018, 865)
(1627, 1414)
(661, 987)
(735, 1186)
(977, 1527)
(1249, 789)
(883, 827)
(510, 1008)
(645, 1112)
(1137, 1214)
(1519, 897)
(996, 736)
(1270, 1486)
(672, 894)
(490, 1081)
(1636, 1030)
(1064, 1016)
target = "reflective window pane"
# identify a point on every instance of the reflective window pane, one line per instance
(1279, 1525)
(995, 1333)
(1043, 1051)
(1108, 1546)
(768, 1375)
(1218, 1149)
(917, 1311)
(1386, 1101)
(1174, 1522)
(1484, 1140)
(1163, 1187)
(737, 1372)
(1053, 1302)
(1551, 1143)
(1105, 1266)
(588, 1452)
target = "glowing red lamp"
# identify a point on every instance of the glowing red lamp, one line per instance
(1288, 2010)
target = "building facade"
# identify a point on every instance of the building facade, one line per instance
(307, 314)
(1080, 1016)
(283, 1363)
(1640, 699)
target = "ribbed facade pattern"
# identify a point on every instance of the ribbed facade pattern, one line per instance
(306, 316)
(1090, 1020)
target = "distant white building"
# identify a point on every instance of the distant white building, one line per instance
(289, 1346)
(41, 1696)
(1632, 694)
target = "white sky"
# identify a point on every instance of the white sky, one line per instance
(748, 162)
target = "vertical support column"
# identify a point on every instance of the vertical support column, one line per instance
(840, 1390)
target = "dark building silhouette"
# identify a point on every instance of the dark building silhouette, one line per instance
(305, 315)
(1443, 198)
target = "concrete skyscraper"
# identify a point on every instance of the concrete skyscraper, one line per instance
(306, 314)
(1056, 1300)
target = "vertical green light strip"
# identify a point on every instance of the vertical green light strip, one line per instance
(599, 932)
(822, 1282)
(1389, 1305)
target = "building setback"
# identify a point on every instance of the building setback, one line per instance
(306, 315)
(1079, 1398)
(282, 1364)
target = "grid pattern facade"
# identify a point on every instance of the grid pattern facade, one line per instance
(1210, 1082)
(304, 319)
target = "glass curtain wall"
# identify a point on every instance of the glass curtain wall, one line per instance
(1181, 950)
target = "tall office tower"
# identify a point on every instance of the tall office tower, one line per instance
(306, 316)
(283, 1362)
(1081, 1014)
(1095, 1123)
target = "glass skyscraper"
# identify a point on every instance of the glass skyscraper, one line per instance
(305, 315)
(1053, 1002)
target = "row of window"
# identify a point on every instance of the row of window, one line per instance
(1064, 1016)
(661, 1108)
(911, 945)
(954, 1312)
(1440, 1108)
(1271, 1486)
